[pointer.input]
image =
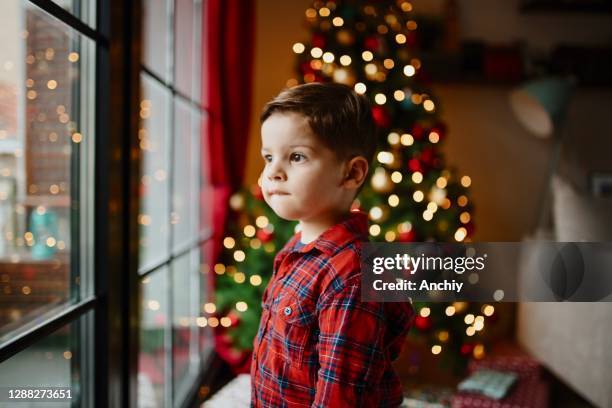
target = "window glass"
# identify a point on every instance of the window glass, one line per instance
(46, 84)
(157, 38)
(154, 341)
(154, 139)
(58, 360)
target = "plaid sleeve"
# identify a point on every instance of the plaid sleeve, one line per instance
(351, 349)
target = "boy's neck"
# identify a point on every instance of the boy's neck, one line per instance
(311, 229)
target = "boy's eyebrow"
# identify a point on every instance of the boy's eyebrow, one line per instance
(303, 145)
(264, 149)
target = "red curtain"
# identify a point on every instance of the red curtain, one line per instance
(227, 51)
(227, 65)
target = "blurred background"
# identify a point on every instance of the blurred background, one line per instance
(135, 245)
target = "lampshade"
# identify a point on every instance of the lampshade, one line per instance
(540, 105)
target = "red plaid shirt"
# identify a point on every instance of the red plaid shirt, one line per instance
(318, 344)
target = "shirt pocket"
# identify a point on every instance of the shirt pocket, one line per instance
(292, 321)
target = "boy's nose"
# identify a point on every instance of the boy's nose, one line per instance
(276, 172)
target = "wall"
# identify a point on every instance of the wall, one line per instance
(507, 165)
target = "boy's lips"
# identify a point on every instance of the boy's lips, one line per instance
(277, 192)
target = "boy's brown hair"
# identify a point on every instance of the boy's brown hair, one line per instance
(339, 117)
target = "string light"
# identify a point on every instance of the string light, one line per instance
(488, 310)
(249, 231)
(241, 306)
(376, 213)
(370, 69)
(390, 236)
(262, 221)
(441, 182)
(385, 157)
(367, 56)
(255, 280)
(388, 63)
(393, 138)
(374, 230)
(429, 106)
(393, 200)
(400, 38)
(316, 52)
(436, 349)
(409, 70)
(460, 234)
(360, 88)
(298, 48)
(418, 196)
(328, 57)
(466, 181)
(450, 310)
(210, 308)
(399, 95)
(406, 6)
(338, 21)
(425, 311)
(380, 99)
(469, 318)
(417, 177)
(345, 60)
(407, 139)
(434, 137)
(396, 177)
(324, 12)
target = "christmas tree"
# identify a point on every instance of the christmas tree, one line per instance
(372, 46)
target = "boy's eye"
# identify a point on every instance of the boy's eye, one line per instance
(267, 158)
(297, 157)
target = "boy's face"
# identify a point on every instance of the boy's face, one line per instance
(302, 178)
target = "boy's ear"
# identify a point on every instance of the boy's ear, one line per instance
(355, 173)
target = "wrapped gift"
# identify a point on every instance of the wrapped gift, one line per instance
(525, 394)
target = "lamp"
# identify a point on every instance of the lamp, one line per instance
(540, 106)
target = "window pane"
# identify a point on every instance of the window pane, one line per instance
(185, 177)
(57, 360)
(46, 80)
(205, 296)
(206, 190)
(186, 46)
(154, 135)
(83, 9)
(154, 340)
(185, 310)
(156, 38)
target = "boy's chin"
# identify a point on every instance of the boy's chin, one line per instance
(285, 214)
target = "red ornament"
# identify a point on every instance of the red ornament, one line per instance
(264, 235)
(318, 40)
(371, 43)
(418, 131)
(470, 228)
(428, 156)
(381, 117)
(412, 39)
(256, 191)
(440, 128)
(407, 236)
(422, 323)
(414, 165)
(466, 349)
(306, 68)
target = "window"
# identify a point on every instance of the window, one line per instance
(174, 225)
(47, 105)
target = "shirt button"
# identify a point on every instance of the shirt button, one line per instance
(287, 311)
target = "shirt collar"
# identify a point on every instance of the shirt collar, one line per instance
(354, 227)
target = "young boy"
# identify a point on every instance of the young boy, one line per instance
(318, 344)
